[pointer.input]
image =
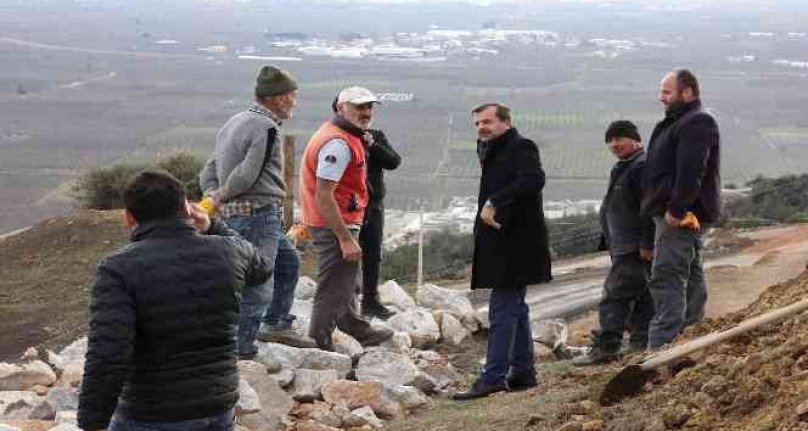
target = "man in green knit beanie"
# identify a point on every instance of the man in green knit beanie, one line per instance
(245, 179)
(272, 81)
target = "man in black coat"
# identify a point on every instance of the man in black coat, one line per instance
(380, 156)
(629, 237)
(510, 248)
(161, 346)
(681, 181)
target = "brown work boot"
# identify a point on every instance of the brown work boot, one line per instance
(596, 355)
(375, 336)
(287, 336)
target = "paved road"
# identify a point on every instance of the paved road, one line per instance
(557, 299)
(579, 284)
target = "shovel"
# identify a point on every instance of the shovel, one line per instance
(632, 378)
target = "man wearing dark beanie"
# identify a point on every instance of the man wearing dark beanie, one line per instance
(244, 176)
(272, 81)
(629, 237)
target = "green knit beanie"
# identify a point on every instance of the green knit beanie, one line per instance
(272, 81)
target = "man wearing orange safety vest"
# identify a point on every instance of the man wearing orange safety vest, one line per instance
(333, 198)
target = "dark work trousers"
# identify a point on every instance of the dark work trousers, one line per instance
(677, 282)
(510, 344)
(335, 298)
(625, 304)
(370, 239)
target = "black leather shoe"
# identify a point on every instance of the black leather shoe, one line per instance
(479, 389)
(517, 383)
(376, 309)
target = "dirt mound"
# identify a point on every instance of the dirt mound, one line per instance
(725, 241)
(45, 278)
(757, 381)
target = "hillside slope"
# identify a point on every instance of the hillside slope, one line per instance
(45, 275)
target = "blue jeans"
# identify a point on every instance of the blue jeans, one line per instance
(221, 422)
(510, 344)
(677, 282)
(272, 301)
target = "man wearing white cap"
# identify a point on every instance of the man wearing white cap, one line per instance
(333, 198)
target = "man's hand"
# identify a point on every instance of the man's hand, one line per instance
(351, 251)
(369, 140)
(647, 254)
(671, 220)
(214, 194)
(487, 216)
(198, 216)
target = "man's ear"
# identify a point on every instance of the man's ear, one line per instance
(129, 219)
(687, 94)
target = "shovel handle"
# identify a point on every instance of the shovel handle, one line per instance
(710, 339)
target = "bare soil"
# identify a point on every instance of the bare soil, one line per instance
(45, 277)
(755, 382)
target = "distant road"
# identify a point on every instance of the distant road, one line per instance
(51, 47)
(779, 254)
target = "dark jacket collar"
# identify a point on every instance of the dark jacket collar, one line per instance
(633, 156)
(162, 228)
(676, 112)
(487, 148)
(505, 137)
(347, 126)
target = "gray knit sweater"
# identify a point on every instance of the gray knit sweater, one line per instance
(247, 162)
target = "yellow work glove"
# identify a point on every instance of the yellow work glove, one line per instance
(208, 205)
(689, 221)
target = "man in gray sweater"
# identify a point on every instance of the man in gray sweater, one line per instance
(245, 179)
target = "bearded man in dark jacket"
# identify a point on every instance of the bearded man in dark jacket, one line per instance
(510, 248)
(682, 185)
(161, 348)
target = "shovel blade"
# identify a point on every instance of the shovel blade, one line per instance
(627, 382)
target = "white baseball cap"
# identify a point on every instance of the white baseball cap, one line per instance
(357, 96)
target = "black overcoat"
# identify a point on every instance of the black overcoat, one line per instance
(512, 179)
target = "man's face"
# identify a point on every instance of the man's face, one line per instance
(488, 125)
(359, 115)
(669, 93)
(623, 147)
(283, 105)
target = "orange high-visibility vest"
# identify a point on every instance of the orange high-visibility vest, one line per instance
(351, 193)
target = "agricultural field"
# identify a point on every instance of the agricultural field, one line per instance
(70, 100)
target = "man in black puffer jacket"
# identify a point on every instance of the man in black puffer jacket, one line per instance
(161, 348)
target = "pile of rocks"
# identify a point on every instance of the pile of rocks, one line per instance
(353, 388)
(42, 391)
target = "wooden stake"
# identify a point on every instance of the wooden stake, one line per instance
(289, 178)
